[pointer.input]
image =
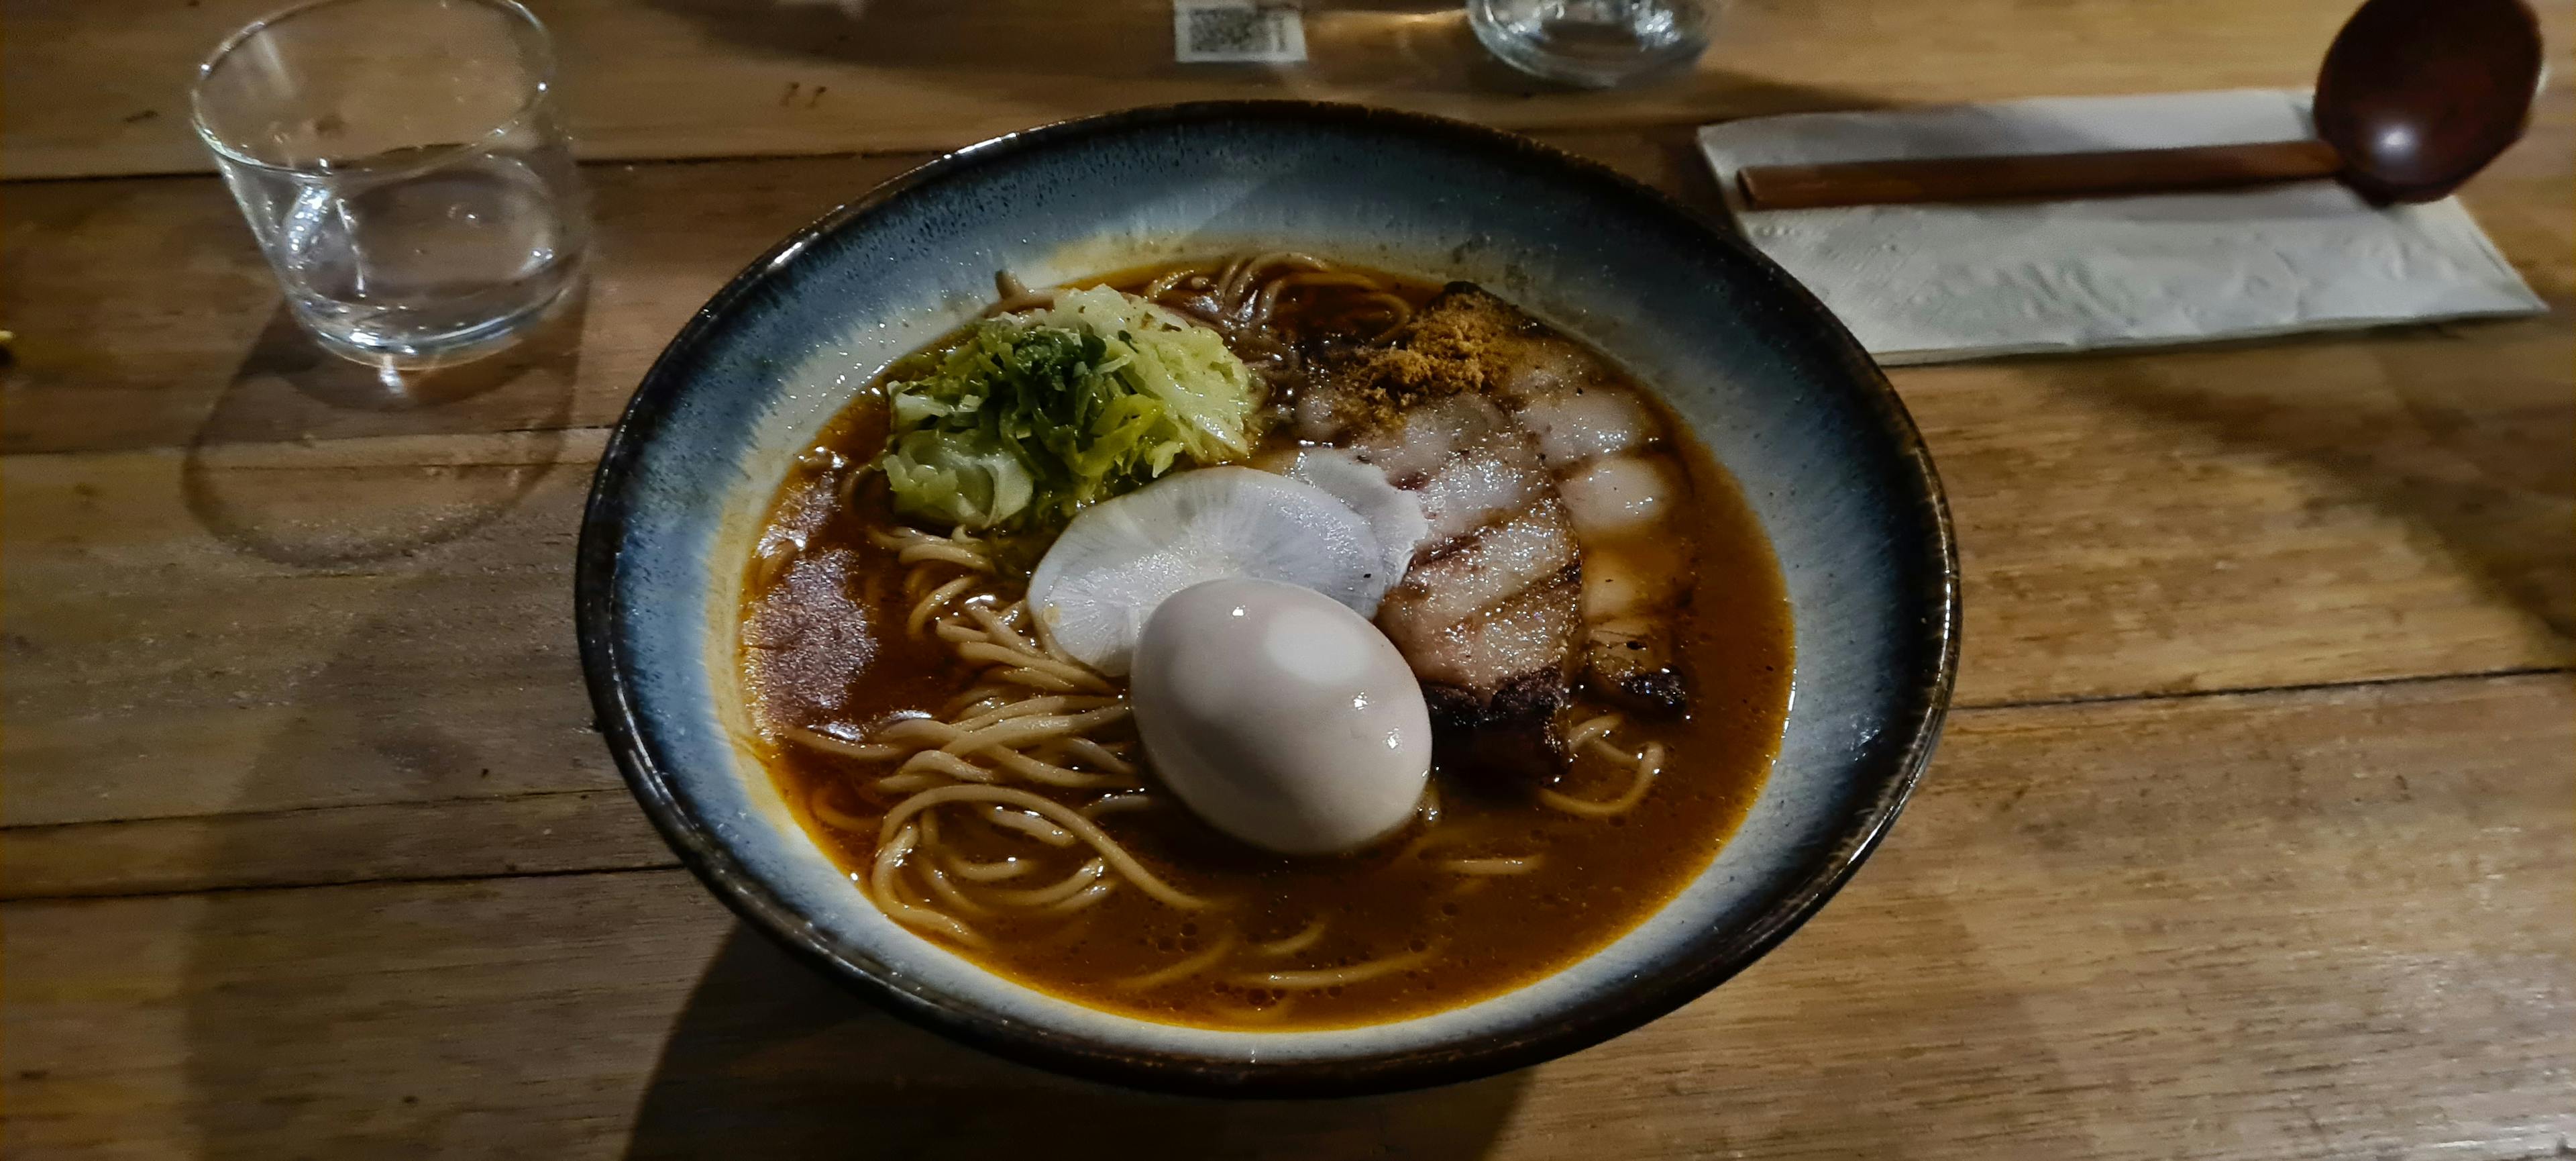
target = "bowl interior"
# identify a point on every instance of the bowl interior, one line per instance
(1766, 379)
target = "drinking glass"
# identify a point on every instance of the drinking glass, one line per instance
(1592, 43)
(403, 167)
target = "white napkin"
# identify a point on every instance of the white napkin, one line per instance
(1922, 284)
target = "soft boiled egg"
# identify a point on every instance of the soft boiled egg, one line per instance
(1280, 716)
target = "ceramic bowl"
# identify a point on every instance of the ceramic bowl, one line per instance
(1767, 379)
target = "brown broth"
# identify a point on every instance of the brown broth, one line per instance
(824, 641)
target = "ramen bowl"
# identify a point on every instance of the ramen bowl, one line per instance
(1759, 372)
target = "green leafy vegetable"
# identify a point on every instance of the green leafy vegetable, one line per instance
(1032, 416)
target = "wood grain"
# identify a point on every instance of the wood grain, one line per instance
(376, 582)
(310, 850)
(261, 627)
(204, 353)
(277, 626)
(102, 89)
(2318, 924)
(283, 625)
(537, 832)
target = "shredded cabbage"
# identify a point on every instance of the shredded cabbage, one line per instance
(1032, 416)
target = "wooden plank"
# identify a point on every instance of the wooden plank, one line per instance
(145, 317)
(452, 838)
(387, 619)
(102, 89)
(261, 627)
(2316, 924)
(276, 626)
(2269, 515)
(2381, 506)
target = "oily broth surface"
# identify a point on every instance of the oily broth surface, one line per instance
(825, 642)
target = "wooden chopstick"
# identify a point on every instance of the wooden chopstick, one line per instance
(2045, 175)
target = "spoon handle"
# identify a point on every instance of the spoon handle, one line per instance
(2046, 175)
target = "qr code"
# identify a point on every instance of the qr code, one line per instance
(1236, 30)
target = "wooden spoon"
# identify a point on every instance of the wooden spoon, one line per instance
(2415, 97)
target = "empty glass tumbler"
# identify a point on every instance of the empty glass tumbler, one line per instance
(404, 169)
(1593, 43)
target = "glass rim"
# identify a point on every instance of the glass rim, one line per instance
(535, 98)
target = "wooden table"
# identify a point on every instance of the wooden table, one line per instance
(2251, 836)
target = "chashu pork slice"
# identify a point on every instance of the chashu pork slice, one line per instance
(1607, 453)
(1489, 613)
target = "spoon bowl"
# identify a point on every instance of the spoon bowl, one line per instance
(2417, 96)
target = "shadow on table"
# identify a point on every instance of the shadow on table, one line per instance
(2487, 467)
(290, 403)
(770, 1057)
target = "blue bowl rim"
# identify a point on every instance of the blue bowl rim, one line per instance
(1714, 956)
